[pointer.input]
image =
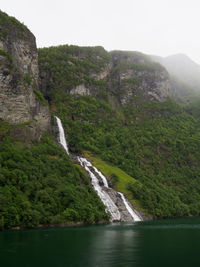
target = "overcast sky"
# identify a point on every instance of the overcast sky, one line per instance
(160, 27)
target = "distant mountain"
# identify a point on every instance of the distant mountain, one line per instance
(183, 70)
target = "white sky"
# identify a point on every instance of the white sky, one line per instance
(160, 27)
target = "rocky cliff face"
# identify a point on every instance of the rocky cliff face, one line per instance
(19, 78)
(72, 69)
(121, 76)
(135, 76)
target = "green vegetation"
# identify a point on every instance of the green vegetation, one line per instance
(192, 104)
(131, 80)
(9, 58)
(144, 66)
(40, 96)
(40, 185)
(156, 143)
(118, 179)
(28, 82)
(121, 179)
(70, 66)
(136, 61)
(4, 53)
(11, 24)
(28, 79)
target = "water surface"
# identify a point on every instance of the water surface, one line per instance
(157, 243)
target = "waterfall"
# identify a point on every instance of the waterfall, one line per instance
(115, 202)
(135, 217)
(105, 183)
(105, 198)
(62, 139)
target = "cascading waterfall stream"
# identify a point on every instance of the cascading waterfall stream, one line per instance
(105, 198)
(102, 191)
(62, 139)
(105, 183)
(135, 217)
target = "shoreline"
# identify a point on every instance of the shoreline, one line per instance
(59, 225)
(76, 224)
(62, 225)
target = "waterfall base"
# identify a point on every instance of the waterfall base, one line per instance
(115, 202)
(125, 216)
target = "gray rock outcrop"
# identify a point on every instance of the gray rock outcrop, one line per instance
(135, 75)
(19, 78)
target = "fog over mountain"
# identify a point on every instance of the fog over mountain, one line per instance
(184, 71)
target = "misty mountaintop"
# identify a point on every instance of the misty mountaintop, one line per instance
(182, 69)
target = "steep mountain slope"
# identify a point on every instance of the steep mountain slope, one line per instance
(135, 75)
(184, 72)
(19, 79)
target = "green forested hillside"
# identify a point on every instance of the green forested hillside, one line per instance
(160, 149)
(40, 185)
(156, 143)
(68, 66)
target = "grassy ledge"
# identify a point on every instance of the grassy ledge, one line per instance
(120, 179)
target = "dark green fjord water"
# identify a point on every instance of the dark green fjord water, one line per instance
(157, 243)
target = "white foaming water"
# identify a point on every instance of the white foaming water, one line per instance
(62, 139)
(105, 183)
(135, 217)
(129, 209)
(105, 198)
